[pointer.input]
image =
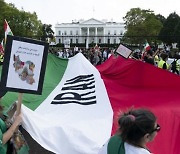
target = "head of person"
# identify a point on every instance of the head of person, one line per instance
(137, 126)
(164, 56)
(150, 53)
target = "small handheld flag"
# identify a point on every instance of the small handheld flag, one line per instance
(7, 30)
(147, 46)
(1, 47)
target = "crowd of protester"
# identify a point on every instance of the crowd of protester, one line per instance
(158, 57)
(95, 55)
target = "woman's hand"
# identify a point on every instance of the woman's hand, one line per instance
(9, 133)
(17, 120)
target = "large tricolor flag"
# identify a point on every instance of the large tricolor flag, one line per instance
(7, 30)
(74, 113)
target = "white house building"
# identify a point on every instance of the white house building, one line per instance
(89, 31)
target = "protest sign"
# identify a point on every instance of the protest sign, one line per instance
(123, 51)
(24, 65)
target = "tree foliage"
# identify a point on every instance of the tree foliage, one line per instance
(22, 23)
(177, 33)
(161, 18)
(47, 31)
(167, 33)
(141, 25)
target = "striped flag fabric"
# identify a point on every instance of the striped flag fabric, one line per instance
(7, 30)
(133, 83)
(73, 115)
(79, 103)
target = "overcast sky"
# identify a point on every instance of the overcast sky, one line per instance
(63, 11)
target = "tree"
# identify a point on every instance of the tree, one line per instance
(177, 33)
(161, 18)
(2, 9)
(141, 25)
(22, 23)
(167, 33)
(47, 31)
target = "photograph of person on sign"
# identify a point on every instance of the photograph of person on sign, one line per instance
(26, 59)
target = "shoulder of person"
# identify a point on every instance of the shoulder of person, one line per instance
(130, 149)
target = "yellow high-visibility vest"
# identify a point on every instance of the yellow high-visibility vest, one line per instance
(156, 59)
(177, 66)
(1, 58)
(161, 63)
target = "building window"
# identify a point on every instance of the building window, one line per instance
(59, 40)
(71, 41)
(108, 41)
(114, 41)
(99, 40)
(71, 33)
(115, 32)
(59, 32)
(77, 32)
(76, 41)
(121, 32)
(65, 33)
(109, 32)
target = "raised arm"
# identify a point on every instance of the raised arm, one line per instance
(9, 133)
(18, 118)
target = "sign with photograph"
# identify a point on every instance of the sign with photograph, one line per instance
(123, 51)
(24, 65)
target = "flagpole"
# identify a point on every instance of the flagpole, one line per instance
(157, 51)
(18, 108)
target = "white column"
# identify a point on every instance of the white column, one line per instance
(96, 35)
(88, 31)
(104, 35)
(80, 35)
(87, 39)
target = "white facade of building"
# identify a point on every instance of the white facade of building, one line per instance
(90, 31)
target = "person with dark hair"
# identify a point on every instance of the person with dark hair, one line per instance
(162, 63)
(148, 58)
(175, 66)
(137, 127)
